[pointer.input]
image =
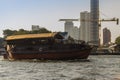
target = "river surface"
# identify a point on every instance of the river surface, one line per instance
(100, 67)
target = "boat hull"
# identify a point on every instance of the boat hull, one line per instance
(50, 55)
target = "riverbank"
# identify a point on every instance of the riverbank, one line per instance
(105, 54)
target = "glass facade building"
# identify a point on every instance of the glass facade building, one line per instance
(95, 22)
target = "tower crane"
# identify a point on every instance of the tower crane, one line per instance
(113, 19)
(104, 20)
(107, 20)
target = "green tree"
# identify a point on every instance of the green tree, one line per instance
(117, 41)
(21, 31)
(9, 32)
(1, 41)
(41, 30)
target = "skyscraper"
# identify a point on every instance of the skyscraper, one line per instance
(106, 36)
(85, 26)
(95, 22)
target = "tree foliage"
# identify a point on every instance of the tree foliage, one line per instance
(9, 32)
(117, 41)
(1, 42)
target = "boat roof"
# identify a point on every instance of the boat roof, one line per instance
(31, 36)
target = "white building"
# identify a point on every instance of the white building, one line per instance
(85, 26)
(75, 33)
(70, 28)
(35, 27)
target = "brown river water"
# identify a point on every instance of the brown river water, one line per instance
(97, 67)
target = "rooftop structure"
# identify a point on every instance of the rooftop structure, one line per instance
(68, 20)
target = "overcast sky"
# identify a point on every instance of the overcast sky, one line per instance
(17, 14)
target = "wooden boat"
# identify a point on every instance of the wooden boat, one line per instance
(50, 46)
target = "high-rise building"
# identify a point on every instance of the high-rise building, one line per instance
(95, 22)
(70, 28)
(75, 32)
(85, 26)
(106, 36)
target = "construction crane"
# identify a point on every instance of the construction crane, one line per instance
(113, 19)
(107, 20)
(103, 20)
(99, 23)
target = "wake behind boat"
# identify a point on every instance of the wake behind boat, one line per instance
(52, 46)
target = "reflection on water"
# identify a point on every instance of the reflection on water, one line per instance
(95, 68)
